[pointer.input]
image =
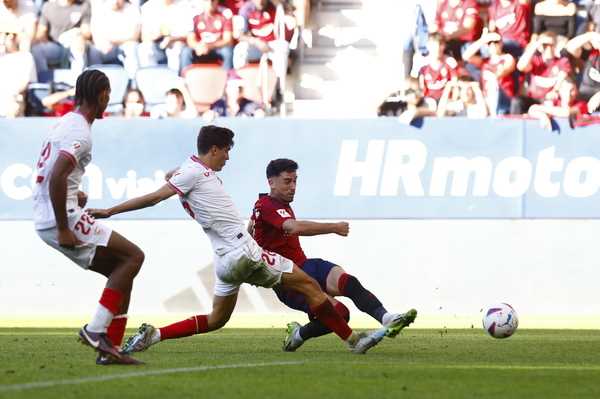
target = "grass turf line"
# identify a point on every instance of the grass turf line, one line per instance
(418, 364)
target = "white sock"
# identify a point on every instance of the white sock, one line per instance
(387, 318)
(155, 336)
(101, 320)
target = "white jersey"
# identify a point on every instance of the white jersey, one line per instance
(70, 137)
(202, 195)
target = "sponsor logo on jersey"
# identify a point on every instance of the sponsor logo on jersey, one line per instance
(283, 213)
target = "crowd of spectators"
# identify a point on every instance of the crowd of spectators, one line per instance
(538, 59)
(40, 40)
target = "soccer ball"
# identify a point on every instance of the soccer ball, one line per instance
(500, 321)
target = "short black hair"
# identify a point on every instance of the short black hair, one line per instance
(89, 86)
(211, 135)
(278, 166)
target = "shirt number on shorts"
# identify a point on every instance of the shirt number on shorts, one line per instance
(84, 224)
(268, 257)
(44, 155)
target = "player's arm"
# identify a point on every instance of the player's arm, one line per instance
(133, 204)
(250, 227)
(308, 228)
(63, 167)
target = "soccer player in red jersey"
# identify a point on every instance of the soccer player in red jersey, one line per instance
(62, 224)
(276, 229)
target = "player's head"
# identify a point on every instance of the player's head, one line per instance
(214, 143)
(92, 91)
(282, 177)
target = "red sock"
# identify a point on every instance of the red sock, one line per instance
(342, 310)
(116, 329)
(111, 300)
(193, 325)
(327, 315)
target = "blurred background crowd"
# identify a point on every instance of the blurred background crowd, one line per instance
(190, 58)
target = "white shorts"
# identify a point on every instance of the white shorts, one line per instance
(249, 264)
(87, 230)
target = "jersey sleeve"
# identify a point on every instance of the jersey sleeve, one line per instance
(75, 149)
(273, 215)
(183, 180)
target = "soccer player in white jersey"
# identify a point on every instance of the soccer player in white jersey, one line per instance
(238, 258)
(62, 224)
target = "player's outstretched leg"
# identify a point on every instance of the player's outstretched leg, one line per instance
(149, 335)
(119, 261)
(341, 283)
(323, 310)
(297, 334)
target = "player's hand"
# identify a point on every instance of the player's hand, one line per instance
(342, 229)
(67, 239)
(98, 213)
(82, 199)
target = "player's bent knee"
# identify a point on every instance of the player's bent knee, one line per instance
(135, 261)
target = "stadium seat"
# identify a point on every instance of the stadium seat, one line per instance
(206, 84)
(64, 76)
(154, 82)
(254, 85)
(119, 81)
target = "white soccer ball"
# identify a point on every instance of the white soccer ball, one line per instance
(500, 321)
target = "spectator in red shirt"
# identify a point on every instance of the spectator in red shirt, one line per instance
(459, 23)
(566, 105)
(546, 72)
(511, 19)
(498, 80)
(212, 39)
(440, 70)
(264, 32)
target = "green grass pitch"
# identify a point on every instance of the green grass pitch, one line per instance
(249, 363)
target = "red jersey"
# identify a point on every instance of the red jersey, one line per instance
(449, 19)
(209, 27)
(435, 78)
(512, 22)
(543, 75)
(489, 69)
(261, 24)
(268, 217)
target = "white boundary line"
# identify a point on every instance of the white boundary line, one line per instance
(85, 380)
